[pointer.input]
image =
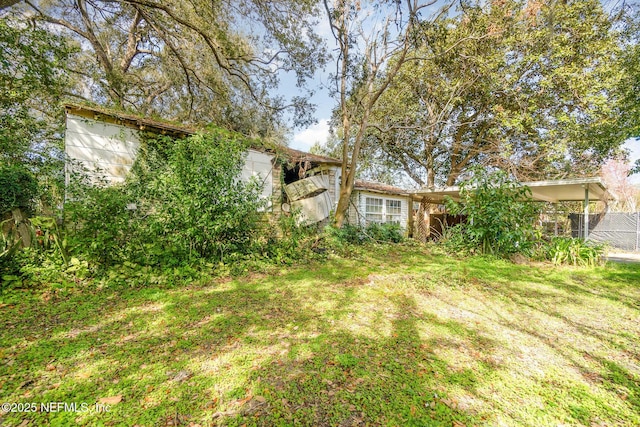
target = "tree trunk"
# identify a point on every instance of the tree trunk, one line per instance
(343, 205)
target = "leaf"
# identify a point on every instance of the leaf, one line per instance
(111, 400)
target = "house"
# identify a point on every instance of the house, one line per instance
(104, 145)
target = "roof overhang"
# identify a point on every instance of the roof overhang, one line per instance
(127, 119)
(563, 190)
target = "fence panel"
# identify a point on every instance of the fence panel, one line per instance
(620, 230)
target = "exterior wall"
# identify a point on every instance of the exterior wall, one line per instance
(259, 166)
(336, 172)
(106, 151)
(357, 210)
(354, 212)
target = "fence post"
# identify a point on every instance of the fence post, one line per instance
(637, 231)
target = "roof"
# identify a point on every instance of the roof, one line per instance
(142, 123)
(127, 119)
(562, 190)
(378, 187)
(301, 156)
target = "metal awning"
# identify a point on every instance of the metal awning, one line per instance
(562, 190)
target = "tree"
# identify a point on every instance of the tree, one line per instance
(31, 80)
(615, 174)
(368, 40)
(189, 61)
(530, 87)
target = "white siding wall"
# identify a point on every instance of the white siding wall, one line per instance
(259, 165)
(108, 151)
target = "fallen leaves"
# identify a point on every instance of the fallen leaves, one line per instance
(111, 400)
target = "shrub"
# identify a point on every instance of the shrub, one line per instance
(500, 214)
(100, 225)
(18, 188)
(373, 232)
(183, 201)
(384, 233)
(567, 250)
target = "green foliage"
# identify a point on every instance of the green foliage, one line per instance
(200, 206)
(578, 252)
(31, 82)
(357, 235)
(500, 215)
(384, 233)
(132, 53)
(532, 85)
(367, 339)
(184, 201)
(100, 226)
(288, 241)
(9, 245)
(18, 188)
(347, 234)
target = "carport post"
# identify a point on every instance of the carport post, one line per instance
(586, 213)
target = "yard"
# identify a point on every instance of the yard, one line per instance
(394, 336)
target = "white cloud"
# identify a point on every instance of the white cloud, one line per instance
(304, 139)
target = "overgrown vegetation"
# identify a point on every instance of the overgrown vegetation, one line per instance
(373, 232)
(499, 213)
(18, 188)
(567, 250)
(181, 208)
(182, 202)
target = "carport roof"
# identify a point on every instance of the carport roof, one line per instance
(543, 191)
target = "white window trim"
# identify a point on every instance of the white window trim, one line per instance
(386, 217)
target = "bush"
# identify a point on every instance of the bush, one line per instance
(500, 215)
(99, 224)
(183, 201)
(384, 233)
(373, 232)
(18, 188)
(567, 250)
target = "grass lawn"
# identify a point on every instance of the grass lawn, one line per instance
(398, 336)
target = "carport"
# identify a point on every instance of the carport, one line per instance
(564, 190)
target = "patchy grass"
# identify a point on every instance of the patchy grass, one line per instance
(399, 336)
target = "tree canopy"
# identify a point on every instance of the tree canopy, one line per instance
(196, 62)
(31, 81)
(534, 88)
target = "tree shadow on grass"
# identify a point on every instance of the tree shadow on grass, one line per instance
(163, 352)
(579, 400)
(344, 378)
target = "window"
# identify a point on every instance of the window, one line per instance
(394, 211)
(383, 210)
(373, 209)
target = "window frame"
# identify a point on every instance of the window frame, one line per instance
(382, 210)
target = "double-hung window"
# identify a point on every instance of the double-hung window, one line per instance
(394, 211)
(383, 210)
(373, 209)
